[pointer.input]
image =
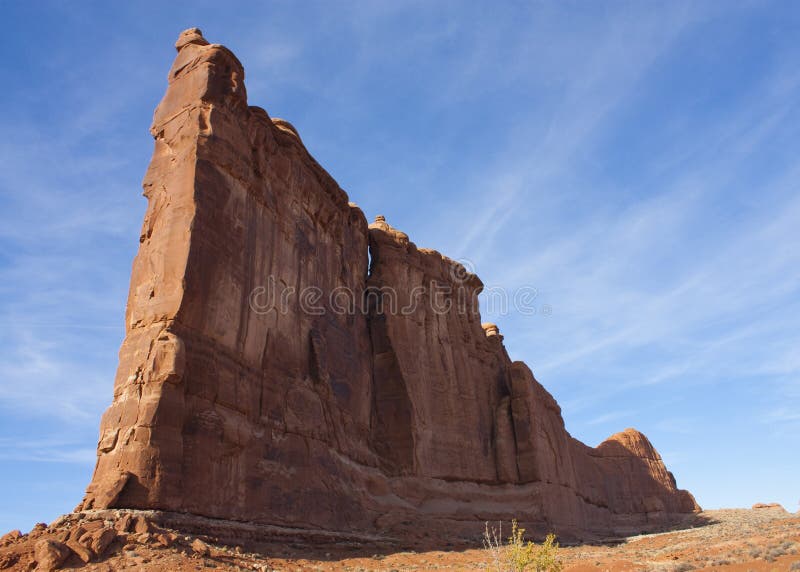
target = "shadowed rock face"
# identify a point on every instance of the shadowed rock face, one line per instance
(271, 373)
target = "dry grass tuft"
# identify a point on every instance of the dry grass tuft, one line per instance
(519, 555)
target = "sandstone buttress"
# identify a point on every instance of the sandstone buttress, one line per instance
(370, 419)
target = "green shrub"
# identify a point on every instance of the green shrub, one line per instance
(518, 555)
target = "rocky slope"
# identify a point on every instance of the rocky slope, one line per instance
(287, 363)
(739, 540)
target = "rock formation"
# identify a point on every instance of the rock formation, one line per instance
(287, 363)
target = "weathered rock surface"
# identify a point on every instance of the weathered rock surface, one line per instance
(769, 506)
(271, 373)
(50, 554)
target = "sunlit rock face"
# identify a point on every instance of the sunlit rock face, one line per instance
(285, 362)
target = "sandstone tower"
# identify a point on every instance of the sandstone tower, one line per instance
(232, 405)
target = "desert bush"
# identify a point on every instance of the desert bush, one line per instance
(518, 555)
(795, 566)
(788, 547)
(774, 552)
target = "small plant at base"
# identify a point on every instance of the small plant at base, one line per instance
(519, 555)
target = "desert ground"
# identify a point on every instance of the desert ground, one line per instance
(734, 539)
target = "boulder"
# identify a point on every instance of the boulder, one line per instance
(82, 551)
(771, 505)
(101, 539)
(124, 523)
(10, 537)
(199, 547)
(50, 554)
(141, 525)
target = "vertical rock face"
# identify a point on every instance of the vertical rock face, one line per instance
(230, 393)
(428, 342)
(269, 375)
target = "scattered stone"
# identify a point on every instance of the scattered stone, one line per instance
(61, 535)
(142, 537)
(773, 505)
(76, 532)
(124, 523)
(83, 553)
(141, 524)
(8, 560)
(165, 539)
(50, 554)
(200, 547)
(38, 529)
(101, 539)
(92, 525)
(10, 537)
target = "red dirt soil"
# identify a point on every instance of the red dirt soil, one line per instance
(736, 539)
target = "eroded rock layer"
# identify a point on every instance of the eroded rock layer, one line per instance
(271, 373)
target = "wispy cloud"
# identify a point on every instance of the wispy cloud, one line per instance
(606, 417)
(594, 275)
(37, 377)
(604, 71)
(46, 451)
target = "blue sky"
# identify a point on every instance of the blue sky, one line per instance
(636, 163)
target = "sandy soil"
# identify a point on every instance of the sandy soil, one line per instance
(741, 540)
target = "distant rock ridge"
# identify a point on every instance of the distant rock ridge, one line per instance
(285, 362)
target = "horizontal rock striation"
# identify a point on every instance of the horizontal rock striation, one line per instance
(286, 363)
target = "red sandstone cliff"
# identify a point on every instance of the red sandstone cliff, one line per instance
(373, 405)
